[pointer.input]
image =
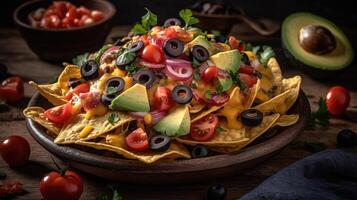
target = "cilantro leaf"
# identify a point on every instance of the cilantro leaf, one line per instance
(196, 75)
(147, 21)
(125, 57)
(131, 69)
(321, 116)
(138, 29)
(111, 90)
(186, 15)
(114, 196)
(195, 63)
(113, 118)
(220, 129)
(80, 59)
(236, 80)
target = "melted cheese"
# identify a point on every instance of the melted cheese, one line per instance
(118, 72)
(102, 82)
(98, 110)
(232, 109)
(117, 140)
(128, 82)
(250, 55)
(85, 131)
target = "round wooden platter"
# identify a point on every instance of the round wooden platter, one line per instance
(171, 171)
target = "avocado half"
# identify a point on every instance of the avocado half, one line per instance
(318, 66)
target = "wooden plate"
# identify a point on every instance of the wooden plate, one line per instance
(171, 171)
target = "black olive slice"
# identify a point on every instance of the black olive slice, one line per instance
(182, 94)
(199, 53)
(90, 70)
(74, 83)
(251, 117)
(172, 22)
(160, 143)
(245, 58)
(114, 85)
(135, 46)
(173, 47)
(199, 151)
(108, 98)
(145, 77)
(216, 192)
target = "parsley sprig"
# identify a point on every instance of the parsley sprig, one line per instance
(147, 21)
(321, 116)
(114, 196)
(186, 16)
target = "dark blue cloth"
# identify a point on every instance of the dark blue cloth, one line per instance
(327, 175)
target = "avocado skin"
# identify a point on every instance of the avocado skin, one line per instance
(315, 73)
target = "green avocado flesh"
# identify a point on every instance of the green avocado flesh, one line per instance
(337, 59)
(132, 99)
(227, 60)
(200, 40)
(177, 123)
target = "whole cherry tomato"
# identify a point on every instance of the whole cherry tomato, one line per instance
(233, 42)
(210, 73)
(12, 89)
(337, 100)
(204, 129)
(15, 150)
(153, 54)
(59, 186)
(137, 140)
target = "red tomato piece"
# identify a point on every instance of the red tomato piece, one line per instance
(82, 11)
(71, 13)
(144, 39)
(59, 114)
(60, 8)
(90, 100)
(97, 15)
(153, 54)
(137, 140)
(10, 188)
(210, 73)
(250, 80)
(337, 100)
(12, 89)
(56, 186)
(204, 129)
(246, 69)
(170, 33)
(162, 99)
(15, 150)
(81, 88)
(233, 42)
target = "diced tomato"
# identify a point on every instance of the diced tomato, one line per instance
(144, 39)
(204, 129)
(233, 42)
(60, 8)
(89, 100)
(250, 80)
(153, 53)
(170, 33)
(137, 140)
(81, 88)
(158, 41)
(12, 89)
(97, 15)
(246, 69)
(59, 114)
(209, 74)
(162, 99)
(82, 11)
(71, 13)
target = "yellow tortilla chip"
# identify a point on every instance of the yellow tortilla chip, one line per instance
(71, 71)
(274, 67)
(252, 93)
(51, 92)
(286, 120)
(100, 125)
(36, 114)
(175, 151)
(205, 113)
(251, 133)
(196, 108)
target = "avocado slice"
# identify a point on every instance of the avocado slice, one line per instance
(225, 83)
(227, 60)
(200, 40)
(317, 65)
(133, 99)
(177, 123)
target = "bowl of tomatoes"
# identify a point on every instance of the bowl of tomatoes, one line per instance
(60, 30)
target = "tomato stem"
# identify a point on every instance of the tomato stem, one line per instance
(62, 171)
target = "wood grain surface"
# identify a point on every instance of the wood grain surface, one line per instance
(20, 60)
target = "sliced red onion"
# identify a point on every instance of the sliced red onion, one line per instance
(108, 53)
(157, 115)
(219, 100)
(178, 62)
(203, 67)
(178, 73)
(223, 74)
(197, 97)
(151, 65)
(255, 63)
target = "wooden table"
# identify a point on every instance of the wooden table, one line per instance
(20, 60)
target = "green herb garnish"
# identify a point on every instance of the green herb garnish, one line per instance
(220, 129)
(208, 94)
(263, 53)
(111, 90)
(321, 116)
(186, 16)
(147, 21)
(131, 69)
(113, 118)
(125, 57)
(237, 81)
(100, 52)
(195, 63)
(114, 196)
(219, 89)
(196, 75)
(80, 59)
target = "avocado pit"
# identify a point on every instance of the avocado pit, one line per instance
(316, 39)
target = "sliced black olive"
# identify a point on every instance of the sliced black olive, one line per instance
(245, 58)
(135, 46)
(199, 53)
(74, 83)
(108, 98)
(90, 70)
(145, 77)
(216, 192)
(251, 117)
(160, 143)
(199, 151)
(121, 41)
(173, 47)
(346, 138)
(182, 94)
(172, 22)
(114, 85)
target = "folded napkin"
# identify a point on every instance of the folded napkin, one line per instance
(327, 175)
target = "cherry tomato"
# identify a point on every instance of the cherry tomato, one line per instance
(56, 186)
(97, 15)
(15, 150)
(246, 69)
(337, 100)
(137, 140)
(81, 88)
(204, 129)
(144, 39)
(82, 11)
(153, 54)
(250, 80)
(68, 23)
(162, 99)
(12, 89)
(10, 188)
(170, 33)
(233, 42)
(210, 73)
(71, 13)
(59, 114)
(52, 21)
(60, 7)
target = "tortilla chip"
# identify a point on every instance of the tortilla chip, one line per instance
(286, 120)
(252, 133)
(205, 113)
(175, 151)
(70, 132)
(36, 114)
(196, 108)
(51, 92)
(70, 72)
(252, 93)
(274, 67)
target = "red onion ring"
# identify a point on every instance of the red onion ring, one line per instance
(109, 52)
(174, 62)
(178, 73)
(151, 65)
